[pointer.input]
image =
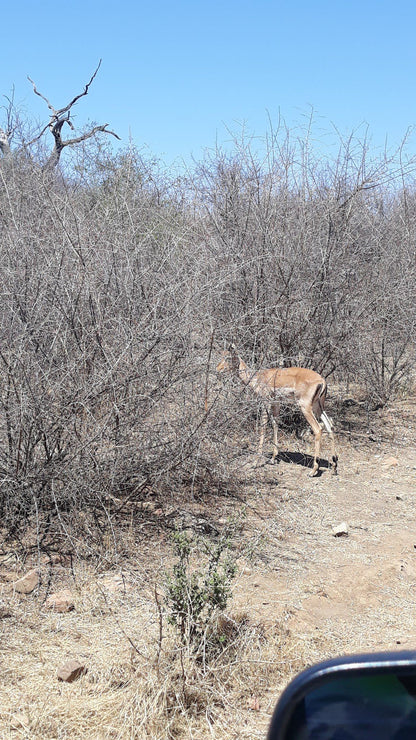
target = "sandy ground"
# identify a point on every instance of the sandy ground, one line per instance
(358, 589)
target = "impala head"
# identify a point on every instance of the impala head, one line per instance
(229, 361)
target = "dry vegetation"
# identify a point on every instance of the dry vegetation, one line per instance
(300, 595)
(120, 284)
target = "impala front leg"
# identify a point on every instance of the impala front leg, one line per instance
(263, 426)
(315, 469)
(274, 416)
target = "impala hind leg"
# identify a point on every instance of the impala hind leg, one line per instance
(317, 433)
(328, 426)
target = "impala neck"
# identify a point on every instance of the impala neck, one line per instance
(246, 375)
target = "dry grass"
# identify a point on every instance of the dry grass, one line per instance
(136, 686)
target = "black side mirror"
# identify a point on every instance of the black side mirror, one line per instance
(371, 697)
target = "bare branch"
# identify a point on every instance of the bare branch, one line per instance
(81, 95)
(60, 111)
(89, 134)
(39, 136)
(36, 91)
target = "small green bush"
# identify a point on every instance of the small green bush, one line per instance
(193, 595)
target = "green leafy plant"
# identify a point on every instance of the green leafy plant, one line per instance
(193, 595)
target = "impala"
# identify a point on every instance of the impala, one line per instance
(274, 385)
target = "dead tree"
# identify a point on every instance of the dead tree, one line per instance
(58, 118)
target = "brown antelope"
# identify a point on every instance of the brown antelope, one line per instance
(305, 387)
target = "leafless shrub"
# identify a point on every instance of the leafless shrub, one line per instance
(101, 374)
(307, 251)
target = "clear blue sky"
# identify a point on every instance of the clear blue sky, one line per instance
(175, 75)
